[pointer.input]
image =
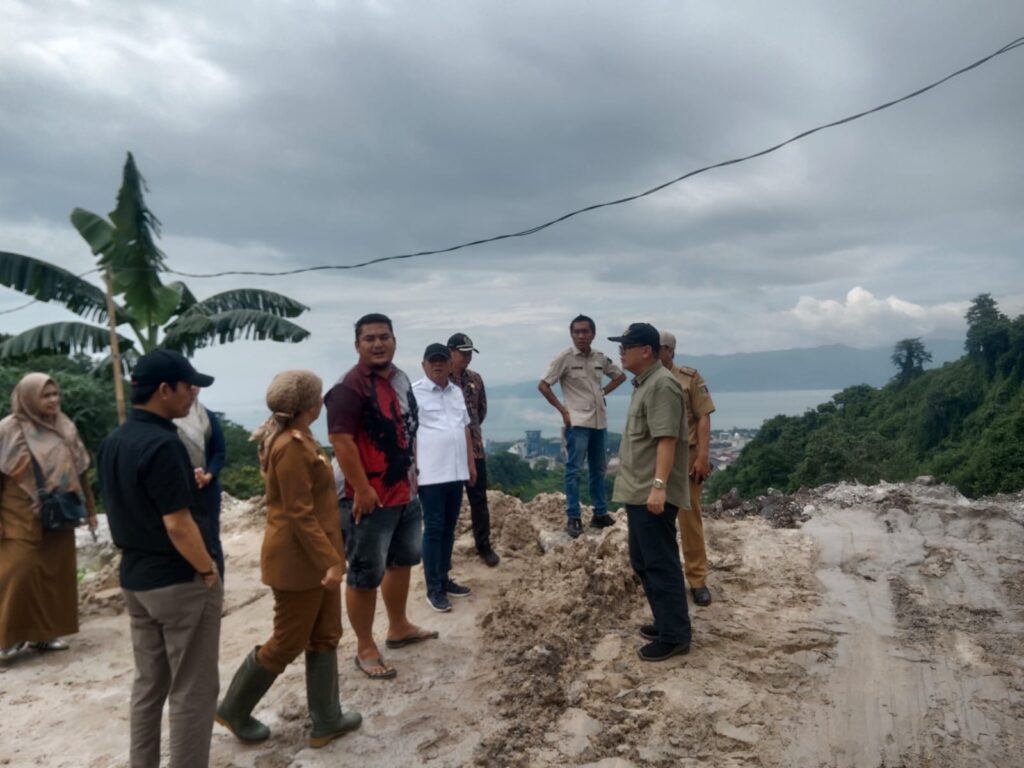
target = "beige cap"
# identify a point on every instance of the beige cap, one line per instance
(668, 340)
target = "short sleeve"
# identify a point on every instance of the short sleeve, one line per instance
(555, 370)
(702, 402)
(466, 421)
(167, 478)
(666, 410)
(611, 369)
(344, 409)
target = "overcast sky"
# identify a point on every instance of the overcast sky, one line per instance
(282, 134)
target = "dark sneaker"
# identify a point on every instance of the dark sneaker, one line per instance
(490, 557)
(701, 596)
(439, 601)
(456, 590)
(574, 527)
(659, 651)
(602, 521)
(649, 632)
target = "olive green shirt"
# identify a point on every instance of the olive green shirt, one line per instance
(657, 410)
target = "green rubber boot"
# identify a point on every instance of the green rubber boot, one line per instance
(329, 722)
(247, 687)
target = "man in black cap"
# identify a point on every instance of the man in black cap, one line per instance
(472, 386)
(168, 573)
(651, 482)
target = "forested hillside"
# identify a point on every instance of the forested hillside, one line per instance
(962, 423)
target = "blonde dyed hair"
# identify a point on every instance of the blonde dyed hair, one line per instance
(289, 394)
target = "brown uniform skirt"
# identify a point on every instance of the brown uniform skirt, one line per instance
(38, 589)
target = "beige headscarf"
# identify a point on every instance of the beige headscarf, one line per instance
(54, 441)
(194, 430)
(289, 394)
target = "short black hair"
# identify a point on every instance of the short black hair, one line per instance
(143, 393)
(583, 319)
(371, 319)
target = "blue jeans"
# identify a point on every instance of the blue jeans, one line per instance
(441, 503)
(582, 441)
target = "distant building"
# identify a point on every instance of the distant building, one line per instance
(533, 443)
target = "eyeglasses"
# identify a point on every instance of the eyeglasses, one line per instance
(624, 347)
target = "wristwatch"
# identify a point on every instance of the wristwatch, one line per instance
(658, 483)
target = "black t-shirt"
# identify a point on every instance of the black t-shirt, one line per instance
(145, 473)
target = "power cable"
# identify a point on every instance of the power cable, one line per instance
(28, 304)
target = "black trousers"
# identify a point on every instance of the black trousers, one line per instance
(479, 512)
(654, 555)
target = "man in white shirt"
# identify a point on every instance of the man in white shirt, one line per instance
(444, 457)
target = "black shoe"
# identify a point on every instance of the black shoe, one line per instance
(456, 590)
(490, 557)
(574, 527)
(439, 601)
(649, 632)
(602, 521)
(701, 596)
(659, 651)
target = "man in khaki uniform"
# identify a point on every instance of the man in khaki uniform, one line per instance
(652, 484)
(699, 407)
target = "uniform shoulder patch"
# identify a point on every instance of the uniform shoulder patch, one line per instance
(296, 435)
(687, 371)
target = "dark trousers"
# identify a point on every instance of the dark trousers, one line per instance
(481, 515)
(654, 555)
(441, 503)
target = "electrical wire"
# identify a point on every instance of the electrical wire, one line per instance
(28, 304)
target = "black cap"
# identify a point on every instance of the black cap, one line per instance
(461, 342)
(162, 365)
(639, 335)
(436, 350)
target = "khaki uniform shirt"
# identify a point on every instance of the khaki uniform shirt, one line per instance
(656, 410)
(698, 399)
(580, 377)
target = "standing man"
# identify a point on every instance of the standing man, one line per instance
(371, 423)
(652, 483)
(580, 370)
(699, 407)
(473, 392)
(444, 456)
(168, 572)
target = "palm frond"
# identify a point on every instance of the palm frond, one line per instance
(59, 338)
(195, 330)
(46, 282)
(270, 302)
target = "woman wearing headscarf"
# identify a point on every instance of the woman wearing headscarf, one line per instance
(204, 440)
(38, 584)
(302, 561)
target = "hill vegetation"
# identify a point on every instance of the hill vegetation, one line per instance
(962, 423)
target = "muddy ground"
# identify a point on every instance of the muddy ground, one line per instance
(852, 626)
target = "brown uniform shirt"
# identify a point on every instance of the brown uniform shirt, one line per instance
(698, 399)
(303, 536)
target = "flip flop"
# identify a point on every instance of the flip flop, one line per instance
(411, 640)
(387, 674)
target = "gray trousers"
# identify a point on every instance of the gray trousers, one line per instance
(175, 637)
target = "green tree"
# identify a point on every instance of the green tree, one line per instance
(988, 332)
(909, 357)
(158, 315)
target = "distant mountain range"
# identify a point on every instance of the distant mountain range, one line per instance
(831, 367)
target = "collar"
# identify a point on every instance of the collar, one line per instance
(148, 417)
(640, 378)
(367, 372)
(576, 352)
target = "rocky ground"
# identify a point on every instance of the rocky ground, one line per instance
(852, 626)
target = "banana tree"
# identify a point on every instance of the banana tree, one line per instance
(156, 314)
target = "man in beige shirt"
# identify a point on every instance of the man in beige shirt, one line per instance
(699, 407)
(580, 371)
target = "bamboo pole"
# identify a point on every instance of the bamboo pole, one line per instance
(115, 347)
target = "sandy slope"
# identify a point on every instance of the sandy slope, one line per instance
(883, 632)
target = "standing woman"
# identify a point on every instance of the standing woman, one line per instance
(204, 440)
(38, 584)
(302, 561)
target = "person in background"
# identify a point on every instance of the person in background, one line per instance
(699, 407)
(204, 440)
(302, 561)
(652, 483)
(444, 456)
(38, 584)
(168, 575)
(579, 370)
(472, 386)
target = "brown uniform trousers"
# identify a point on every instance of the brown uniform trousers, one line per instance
(691, 534)
(302, 540)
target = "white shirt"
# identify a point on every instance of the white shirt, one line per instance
(441, 453)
